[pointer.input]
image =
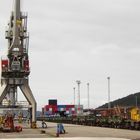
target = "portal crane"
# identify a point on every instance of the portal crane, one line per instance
(15, 68)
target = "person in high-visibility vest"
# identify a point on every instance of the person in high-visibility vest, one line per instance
(20, 116)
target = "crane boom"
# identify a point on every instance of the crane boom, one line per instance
(17, 20)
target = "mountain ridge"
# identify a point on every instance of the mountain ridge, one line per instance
(127, 101)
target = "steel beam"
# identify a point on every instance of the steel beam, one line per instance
(30, 98)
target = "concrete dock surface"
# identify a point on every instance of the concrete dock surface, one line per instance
(75, 132)
(79, 138)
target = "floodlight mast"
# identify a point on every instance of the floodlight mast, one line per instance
(15, 69)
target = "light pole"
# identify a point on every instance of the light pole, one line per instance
(74, 94)
(78, 83)
(109, 105)
(88, 93)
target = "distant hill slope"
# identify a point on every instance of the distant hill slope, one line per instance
(130, 100)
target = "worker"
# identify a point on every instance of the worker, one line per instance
(44, 125)
(28, 121)
(28, 117)
(20, 117)
(1, 120)
(62, 130)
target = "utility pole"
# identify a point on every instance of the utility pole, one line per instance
(109, 105)
(88, 94)
(74, 94)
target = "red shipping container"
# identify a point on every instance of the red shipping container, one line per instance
(73, 112)
(54, 108)
(67, 109)
(46, 108)
(103, 113)
(69, 106)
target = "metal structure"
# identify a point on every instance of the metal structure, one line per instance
(109, 104)
(74, 94)
(116, 117)
(78, 83)
(88, 95)
(15, 68)
(78, 89)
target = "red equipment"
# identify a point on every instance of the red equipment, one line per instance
(8, 125)
(26, 65)
(4, 65)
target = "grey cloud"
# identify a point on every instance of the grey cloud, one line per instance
(80, 39)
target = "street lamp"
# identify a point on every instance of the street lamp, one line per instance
(74, 94)
(78, 83)
(109, 105)
(88, 94)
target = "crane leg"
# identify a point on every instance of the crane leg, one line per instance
(30, 98)
(3, 91)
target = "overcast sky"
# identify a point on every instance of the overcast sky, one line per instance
(85, 40)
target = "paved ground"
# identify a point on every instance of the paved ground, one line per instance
(77, 132)
(89, 131)
(79, 138)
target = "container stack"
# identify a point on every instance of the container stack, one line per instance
(65, 110)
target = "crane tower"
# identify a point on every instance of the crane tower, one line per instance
(15, 68)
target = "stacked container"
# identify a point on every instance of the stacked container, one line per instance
(50, 109)
(79, 109)
(68, 109)
(61, 107)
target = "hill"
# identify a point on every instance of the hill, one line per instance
(130, 100)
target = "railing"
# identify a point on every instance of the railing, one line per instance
(22, 104)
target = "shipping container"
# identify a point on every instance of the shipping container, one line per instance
(61, 106)
(73, 109)
(73, 112)
(52, 102)
(135, 114)
(68, 109)
(67, 112)
(62, 109)
(69, 106)
(48, 113)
